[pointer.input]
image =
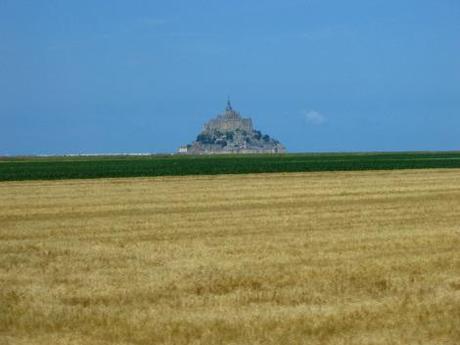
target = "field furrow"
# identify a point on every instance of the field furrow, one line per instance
(368, 257)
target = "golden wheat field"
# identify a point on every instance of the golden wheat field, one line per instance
(300, 258)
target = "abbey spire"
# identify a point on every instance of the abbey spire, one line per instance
(229, 105)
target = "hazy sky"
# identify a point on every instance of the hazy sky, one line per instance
(143, 76)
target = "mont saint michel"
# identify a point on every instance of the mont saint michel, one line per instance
(229, 132)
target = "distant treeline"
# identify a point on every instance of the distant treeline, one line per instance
(55, 168)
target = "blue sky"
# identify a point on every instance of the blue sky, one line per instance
(143, 76)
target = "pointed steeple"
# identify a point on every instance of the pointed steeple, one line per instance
(229, 105)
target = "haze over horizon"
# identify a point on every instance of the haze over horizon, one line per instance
(144, 76)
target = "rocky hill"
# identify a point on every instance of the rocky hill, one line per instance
(231, 133)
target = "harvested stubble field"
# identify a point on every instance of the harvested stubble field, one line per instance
(300, 258)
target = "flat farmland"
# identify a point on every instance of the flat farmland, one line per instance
(86, 167)
(364, 257)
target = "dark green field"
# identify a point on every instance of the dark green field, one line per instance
(52, 168)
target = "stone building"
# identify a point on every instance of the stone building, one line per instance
(229, 132)
(229, 120)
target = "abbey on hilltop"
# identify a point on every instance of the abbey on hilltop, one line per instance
(231, 133)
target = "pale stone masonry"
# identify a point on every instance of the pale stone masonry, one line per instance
(230, 120)
(229, 132)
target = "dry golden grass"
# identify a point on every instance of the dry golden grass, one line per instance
(305, 258)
